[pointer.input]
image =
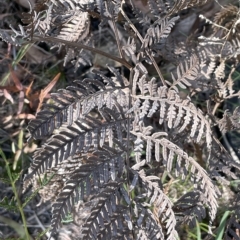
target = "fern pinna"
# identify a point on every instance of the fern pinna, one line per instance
(110, 139)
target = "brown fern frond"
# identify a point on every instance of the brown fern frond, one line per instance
(190, 208)
(149, 227)
(172, 109)
(159, 30)
(182, 4)
(76, 28)
(230, 122)
(169, 152)
(108, 201)
(162, 206)
(219, 72)
(75, 102)
(225, 19)
(85, 177)
(186, 73)
(80, 136)
(56, 177)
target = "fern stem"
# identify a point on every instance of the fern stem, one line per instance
(141, 40)
(16, 194)
(128, 143)
(80, 45)
(115, 30)
(157, 68)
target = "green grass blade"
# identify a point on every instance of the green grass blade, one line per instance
(222, 225)
(199, 237)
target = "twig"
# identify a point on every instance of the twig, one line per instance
(41, 225)
(230, 149)
(39, 212)
(80, 45)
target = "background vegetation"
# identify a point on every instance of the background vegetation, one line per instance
(31, 71)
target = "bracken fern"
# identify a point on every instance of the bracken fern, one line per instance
(110, 137)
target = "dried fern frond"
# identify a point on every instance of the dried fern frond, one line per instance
(130, 47)
(80, 136)
(140, 17)
(190, 208)
(77, 101)
(176, 112)
(222, 162)
(149, 227)
(170, 151)
(159, 30)
(230, 122)
(186, 73)
(108, 204)
(58, 176)
(225, 19)
(15, 37)
(219, 72)
(88, 180)
(210, 68)
(162, 206)
(7, 37)
(76, 28)
(182, 4)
